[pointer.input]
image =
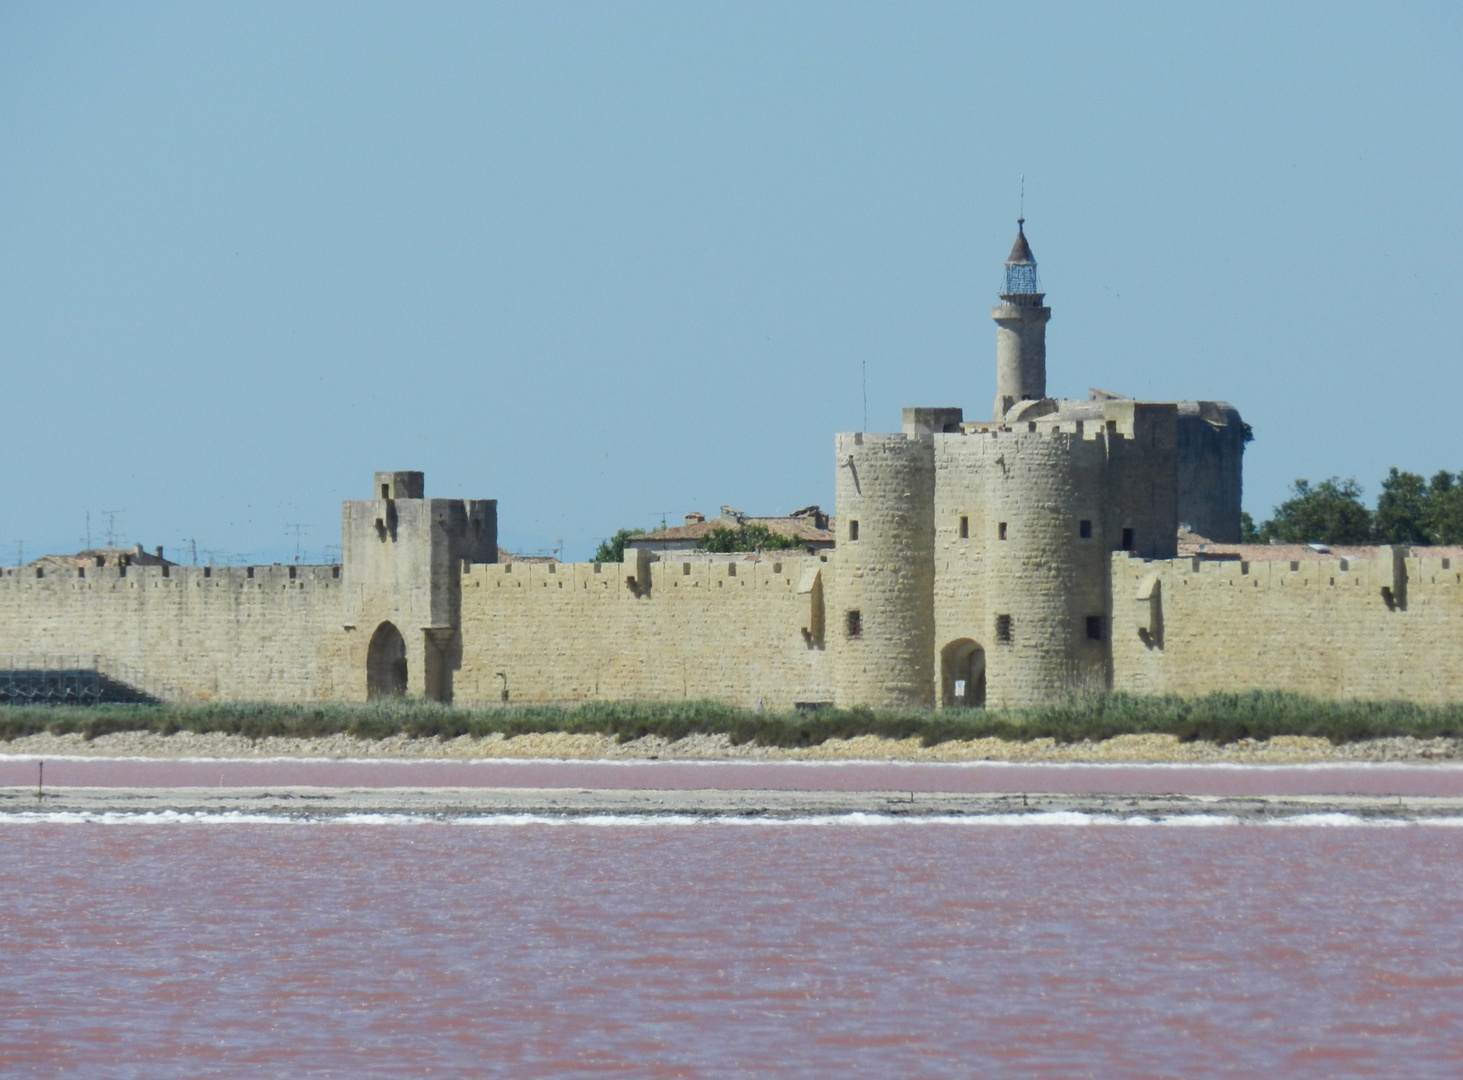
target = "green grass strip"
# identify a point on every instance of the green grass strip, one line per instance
(1219, 718)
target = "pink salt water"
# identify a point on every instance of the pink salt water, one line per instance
(20, 771)
(663, 949)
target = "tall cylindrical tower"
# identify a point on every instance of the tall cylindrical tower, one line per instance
(1045, 566)
(1020, 330)
(884, 619)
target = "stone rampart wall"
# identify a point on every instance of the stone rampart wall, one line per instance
(267, 633)
(735, 631)
(1322, 627)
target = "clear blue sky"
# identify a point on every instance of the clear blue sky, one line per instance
(607, 261)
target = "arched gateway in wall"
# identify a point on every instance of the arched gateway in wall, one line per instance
(386, 664)
(962, 675)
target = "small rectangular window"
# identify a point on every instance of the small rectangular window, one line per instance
(852, 529)
(685, 569)
(1094, 627)
(965, 528)
(1084, 530)
(1001, 531)
(385, 491)
(731, 569)
(855, 624)
(1127, 539)
(1003, 629)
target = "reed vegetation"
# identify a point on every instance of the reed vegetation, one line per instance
(1219, 718)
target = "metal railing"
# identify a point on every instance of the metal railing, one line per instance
(77, 680)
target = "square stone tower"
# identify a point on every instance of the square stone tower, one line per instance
(402, 562)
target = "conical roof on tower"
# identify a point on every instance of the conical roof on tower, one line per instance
(1021, 285)
(1021, 250)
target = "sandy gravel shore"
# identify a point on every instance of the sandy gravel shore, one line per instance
(450, 804)
(1125, 748)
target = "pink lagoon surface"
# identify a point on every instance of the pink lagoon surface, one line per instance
(657, 948)
(20, 771)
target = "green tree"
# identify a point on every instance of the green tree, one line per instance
(746, 538)
(1248, 534)
(613, 549)
(1329, 513)
(1404, 510)
(1445, 508)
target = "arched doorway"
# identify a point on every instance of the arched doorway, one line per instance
(962, 675)
(386, 664)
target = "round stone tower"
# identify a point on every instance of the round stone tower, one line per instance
(1020, 330)
(1046, 605)
(884, 618)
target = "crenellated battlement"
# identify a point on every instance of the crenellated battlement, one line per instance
(171, 576)
(1070, 430)
(744, 630)
(1110, 419)
(236, 633)
(1048, 426)
(715, 578)
(1396, 569)
(1375, 623)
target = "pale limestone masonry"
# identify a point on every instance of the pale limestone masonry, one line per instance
(1022, 495)
(883, 626)
(1020, 320)
(1386, 626)
(1008, 562)
(738, 630)
(402, 557)
(210, 633)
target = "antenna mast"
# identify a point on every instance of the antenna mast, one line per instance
(111, 516)
(297, 528)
